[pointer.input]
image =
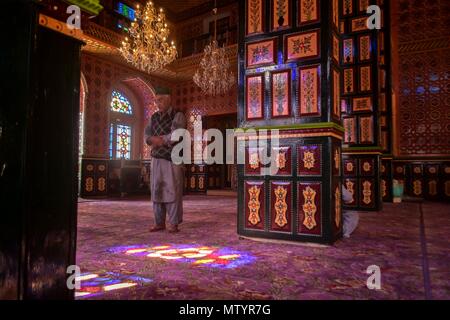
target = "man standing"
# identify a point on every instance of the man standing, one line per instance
(167, 179)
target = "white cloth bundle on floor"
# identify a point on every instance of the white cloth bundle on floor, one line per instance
(351, 219)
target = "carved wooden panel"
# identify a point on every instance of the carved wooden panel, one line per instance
(350, 167)
(281, 93)
(350, 130)
(362, 104)
(305, 45)
(255, 17)
(367, 193)
(310, 160)
(280, 206)
(94, 178)
(365, 48)
(309, 12)
(254, 205)
(283, 160)
(254, 161)
(260, 53)
(347, 7)
(365, 78)
(336, 111)
(309, 91)
(367, 167)
(349, 81)
(424, 179)
(336, 49)
(359, 24)
(348, 50)
(362, 179)
(280, 14)
(254, 97)
(366, 134)
(352, 187)
(309, 208)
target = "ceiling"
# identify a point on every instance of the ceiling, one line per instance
(178, 6)
(178, 10)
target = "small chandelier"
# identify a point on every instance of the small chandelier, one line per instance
(213, 76)
(148, 49)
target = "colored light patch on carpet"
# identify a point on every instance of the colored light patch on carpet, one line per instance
(214, 257)
(94, 284)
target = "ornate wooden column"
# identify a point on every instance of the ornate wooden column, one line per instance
(38, 154)
(364, 106)
(385, 101)
(289, 79)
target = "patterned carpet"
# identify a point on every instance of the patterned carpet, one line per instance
(120, 259)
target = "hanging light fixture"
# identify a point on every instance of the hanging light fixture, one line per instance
(147, 47)
(213, 76)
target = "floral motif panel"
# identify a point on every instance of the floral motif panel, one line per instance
(309, 11)
(309, 92)
(281, 14)
(281, 206)
(281, 93)
(310, 160)
(254, 199)
(302, 46)
(255, 17)
(255, 97)
(309, 208)
(260, 53)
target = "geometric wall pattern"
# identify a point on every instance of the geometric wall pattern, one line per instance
(189, 95)
(424, 82)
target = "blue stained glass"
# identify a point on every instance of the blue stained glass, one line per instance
(111, 135)
(126, 11)
(123, 142)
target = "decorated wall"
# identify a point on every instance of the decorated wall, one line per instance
(189, 95)
(101, 77)
(421, 50)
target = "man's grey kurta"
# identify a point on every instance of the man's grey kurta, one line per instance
(167, 179)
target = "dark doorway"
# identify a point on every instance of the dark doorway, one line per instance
(221, 176)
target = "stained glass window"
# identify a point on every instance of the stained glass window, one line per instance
(111, 140)
(119, 103)
(123, 142)
(126, 11)
(121, 127)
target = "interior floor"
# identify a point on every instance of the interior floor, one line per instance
(120, 259)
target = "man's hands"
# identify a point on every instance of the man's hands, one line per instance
(155, 141)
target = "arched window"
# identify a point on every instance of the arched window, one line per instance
(121, 128)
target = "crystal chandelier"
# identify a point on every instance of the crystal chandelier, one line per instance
(147, 47)
(213, 76)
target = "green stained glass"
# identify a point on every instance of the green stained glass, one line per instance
(120, 103)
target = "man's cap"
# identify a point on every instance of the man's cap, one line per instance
(162, 91)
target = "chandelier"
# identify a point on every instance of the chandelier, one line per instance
(213, 76)
(147, 47)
